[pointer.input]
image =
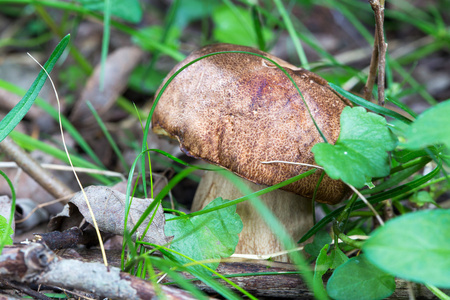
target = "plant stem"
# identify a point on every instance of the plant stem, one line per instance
(349, 241)
(368, 88)
(378, 9)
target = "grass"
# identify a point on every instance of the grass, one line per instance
(288, 19)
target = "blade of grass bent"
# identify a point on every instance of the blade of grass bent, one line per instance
(163, 88)
(248, 196)
(13, 118)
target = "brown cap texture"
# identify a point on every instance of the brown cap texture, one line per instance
(237, 110)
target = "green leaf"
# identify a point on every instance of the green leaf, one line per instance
(235, 26)
(320, 240)
(208, 236)
(430, 127)
(323, 263)
(361, 151)
(415, 246)
(193, 10)
(422, 197)
(5, 232)
(358, 279)
(128, 10)
(338, 258)
(16, 114)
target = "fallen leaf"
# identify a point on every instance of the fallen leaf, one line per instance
(108, 206)
(118, 67)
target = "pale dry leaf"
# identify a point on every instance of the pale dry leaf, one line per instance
(118, 67)
(108, 206)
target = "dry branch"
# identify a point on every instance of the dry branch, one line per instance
(283, 285)
(35, 263)
(46, 179)
(378, 60)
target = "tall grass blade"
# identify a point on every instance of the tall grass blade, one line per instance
(13, 118)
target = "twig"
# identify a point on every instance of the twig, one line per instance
(68, 168)
(368, 88)
(47, 180)
(4, 284)
(36, 263)
(378, 9)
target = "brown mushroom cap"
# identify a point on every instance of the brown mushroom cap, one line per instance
(237, 110)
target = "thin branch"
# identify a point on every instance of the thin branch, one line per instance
(378, 9)
(368, 88)
(47, 180)
(35, 263)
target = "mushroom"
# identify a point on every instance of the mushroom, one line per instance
(237, 110)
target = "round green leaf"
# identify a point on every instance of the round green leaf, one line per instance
(208, 236)
(431, 127)
(5, 232)
(415, 246)
(358, 279)
(361, 151)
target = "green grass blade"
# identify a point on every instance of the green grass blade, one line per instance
(54, 114)
(30, 144)
(13, 118)
(108, 136)
(13, 205)
(292, 33)
(405, 188)
(258, 28)
(249, 196)
(369, 105)
(105, 41)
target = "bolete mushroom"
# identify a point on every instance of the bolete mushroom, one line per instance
(237, 110)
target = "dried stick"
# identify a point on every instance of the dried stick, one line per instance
(378, 9)
(6, 284)
(47, 180)
(36, 263)
(368, 88)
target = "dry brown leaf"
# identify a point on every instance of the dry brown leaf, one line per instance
(108, 206)
(118, 67)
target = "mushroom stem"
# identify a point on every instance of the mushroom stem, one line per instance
(293, 211)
